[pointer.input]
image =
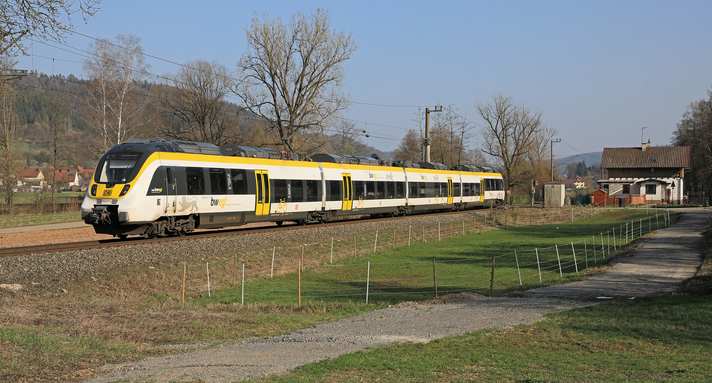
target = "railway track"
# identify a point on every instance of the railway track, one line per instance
(113, 242)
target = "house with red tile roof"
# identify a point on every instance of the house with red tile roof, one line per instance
(645, 174)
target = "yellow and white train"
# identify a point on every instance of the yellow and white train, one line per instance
(160, 188)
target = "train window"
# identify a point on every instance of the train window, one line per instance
(475, 189)
(239, 181)
(390, 189)
(281, 191)
(380, 190)
(359, 190)
(370, 190)
(412, 189)
(500, 185)
(400, 189)
(313, 191)
(422, 192)
(335, 190)
(456, 189)
(466, 189)
(218, 181)
(195, 181)
(297, 190)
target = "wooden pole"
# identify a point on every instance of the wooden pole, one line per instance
(185, 266)
(435, 282)
(299, 286)
(492, 277)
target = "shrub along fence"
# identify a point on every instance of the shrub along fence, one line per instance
(252, 275)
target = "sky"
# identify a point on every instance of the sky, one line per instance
(598, 71)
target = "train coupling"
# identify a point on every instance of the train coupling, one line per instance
(99, 215)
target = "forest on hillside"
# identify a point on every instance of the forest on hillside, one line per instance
(40, 98)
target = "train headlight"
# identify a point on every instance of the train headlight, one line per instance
(124, 190)
(93, 190)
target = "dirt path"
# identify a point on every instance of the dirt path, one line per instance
(660, 265)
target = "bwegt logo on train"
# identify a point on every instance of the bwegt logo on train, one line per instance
(218, 201)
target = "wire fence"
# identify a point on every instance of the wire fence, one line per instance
(307, 271)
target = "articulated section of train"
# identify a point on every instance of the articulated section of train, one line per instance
(161, 188)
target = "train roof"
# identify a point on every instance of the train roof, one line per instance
(178, 146)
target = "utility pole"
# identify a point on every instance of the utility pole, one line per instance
(641, 134)
(426, 141)
(552, 157)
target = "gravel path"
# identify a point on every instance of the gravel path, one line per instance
(663, 262)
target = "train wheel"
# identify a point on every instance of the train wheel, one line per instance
(279, 223)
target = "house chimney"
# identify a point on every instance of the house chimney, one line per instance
(648, 144)
(643, 146)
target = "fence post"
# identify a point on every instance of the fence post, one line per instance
(243, 284)
(640, 227)
(423, 233)
(375, 243)
(274, 249)
(492, 278)
(368, 279)
(435, 282)
(438, 231)
(394, 239)
(585, 251)
(603, 247)
(632, 231)
(234, 267)
(331, 256)
(185, 266)
(410, 228)
(593, 240)
(538, 265)
(207, 269)
(626, 233)
(301, 262)
(573, 250)
(572, 215)
(354, 245)
(299, 286)
(614, 240)
(608, 234)
(463, 227)
(657, 221)
(518, 272)
(561, 273)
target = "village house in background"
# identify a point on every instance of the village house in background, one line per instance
(643, 174)
(36, 179)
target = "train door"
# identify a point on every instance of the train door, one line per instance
(449, 190)
(263, 192)
(347, 194)
(171, 191)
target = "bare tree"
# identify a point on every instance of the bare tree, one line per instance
(291, 74)
(59, 124)
(116, 70)
(347, 139)
(8, 125)
(510, 133)
(410, 148)
(43, 19)
(197, 106)
(695, 130)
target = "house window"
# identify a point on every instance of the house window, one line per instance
(626, 189)
(626, 170)
(650, 189)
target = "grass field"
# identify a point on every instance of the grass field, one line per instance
(125, 314)
(653, 339)
(7, 221)
(462, 263)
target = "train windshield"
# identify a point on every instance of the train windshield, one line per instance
(117, 168)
